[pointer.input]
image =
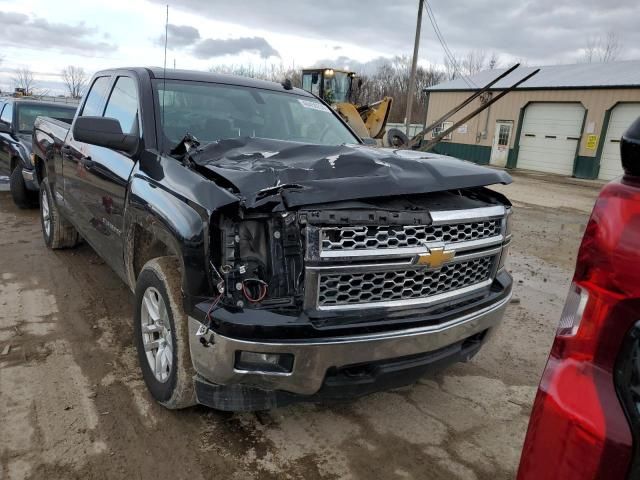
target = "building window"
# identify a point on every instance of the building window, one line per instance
(441, 128)
(503, 135)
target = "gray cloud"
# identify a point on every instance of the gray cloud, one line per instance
(180, 36)
(543, 31)
(211, 48)
(20, 30)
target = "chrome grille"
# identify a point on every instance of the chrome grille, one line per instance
(343, 289)
(386, 237)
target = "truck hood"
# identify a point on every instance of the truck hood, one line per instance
(304, 174)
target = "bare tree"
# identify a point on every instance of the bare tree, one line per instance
(452, 67)
(272, 73)
(75, 80)
(23, 78)
(494, 61)
(473, 62)
(602, 49)
(469, 64)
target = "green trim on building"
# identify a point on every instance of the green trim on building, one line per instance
(479, 154)
(512, 160)
(603, 136)
(579, 167)
(586, 167)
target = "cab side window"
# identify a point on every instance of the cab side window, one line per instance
(95, 98)
(123, 104)
(7, 114)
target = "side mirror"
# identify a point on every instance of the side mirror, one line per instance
(630, 149)
(4, 128)
(104, 132)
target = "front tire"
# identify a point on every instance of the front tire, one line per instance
(22, 197)
(162, 334)
(57, 232)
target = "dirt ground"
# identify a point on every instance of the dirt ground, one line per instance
(73, 404)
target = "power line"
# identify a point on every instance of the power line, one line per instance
(449, 55)
(432, 18)
(446, 48)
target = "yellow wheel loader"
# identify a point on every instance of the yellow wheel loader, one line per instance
(335, 87)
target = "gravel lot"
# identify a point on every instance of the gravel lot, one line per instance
(73, 404)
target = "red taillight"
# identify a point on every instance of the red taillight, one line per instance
(578, 429)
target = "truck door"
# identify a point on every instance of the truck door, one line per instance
(75, 156)
(106, 174)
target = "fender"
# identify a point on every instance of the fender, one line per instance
(180, 222)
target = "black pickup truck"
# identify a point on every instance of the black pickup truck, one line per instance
(274, 258)
(17, 116)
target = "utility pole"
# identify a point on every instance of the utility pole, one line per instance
(414, 66)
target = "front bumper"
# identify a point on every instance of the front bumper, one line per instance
(29, 177)
(216, 362)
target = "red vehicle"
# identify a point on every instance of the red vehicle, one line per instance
(585, 422)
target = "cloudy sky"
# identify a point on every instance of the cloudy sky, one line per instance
(47, 35)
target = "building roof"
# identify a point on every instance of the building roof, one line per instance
(577, 76)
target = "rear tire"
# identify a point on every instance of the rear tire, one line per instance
(57, 232)
(162, 334)
(22, 197)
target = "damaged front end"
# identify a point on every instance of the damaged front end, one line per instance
(374, 292)
(372, 265)
(340, 267)
(259, 260)
(267, 252)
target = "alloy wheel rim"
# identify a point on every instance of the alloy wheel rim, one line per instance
(156, 334)
(46, 214)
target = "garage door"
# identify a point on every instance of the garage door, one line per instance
(621, 117)
(550, 136)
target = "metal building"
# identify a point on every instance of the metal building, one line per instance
(567, 119)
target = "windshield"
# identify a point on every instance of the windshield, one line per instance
(336, 87)
(27, 114)
(211, 112)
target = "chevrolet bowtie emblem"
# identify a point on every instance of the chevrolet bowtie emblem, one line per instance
(436, 257)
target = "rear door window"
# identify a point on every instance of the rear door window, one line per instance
(123, 104)
(95, 98)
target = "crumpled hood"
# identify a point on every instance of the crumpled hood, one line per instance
(305, 174)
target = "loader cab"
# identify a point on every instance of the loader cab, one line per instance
(330, 84)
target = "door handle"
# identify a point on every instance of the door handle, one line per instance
(65, 151)
(87, 162)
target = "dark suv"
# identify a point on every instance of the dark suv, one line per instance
(16, 125)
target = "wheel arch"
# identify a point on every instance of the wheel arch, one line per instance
(14, 162)
(158, 223)
(145, 242)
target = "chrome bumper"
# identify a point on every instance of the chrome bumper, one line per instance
(216, 362)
